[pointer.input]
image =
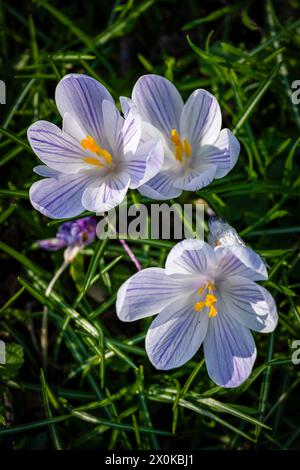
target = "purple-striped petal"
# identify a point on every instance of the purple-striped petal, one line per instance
(112, 126)
(238, 260)
(249, 304)
(150, 132)
(145, 164)
(71, 127)
(229, 351)
(126, 105)
(51, 244)
(56, 149)
(194, 179)
(104, 195)
(46, 172)
(223, 153)
(131, 133)
(175, 335)
(158, 102)
(191, 257)
(147, 293)
(60, 198)
(81, 96)
(161, 187)
(201, 119)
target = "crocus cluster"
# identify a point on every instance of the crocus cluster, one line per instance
(208, 292)
(159, 146)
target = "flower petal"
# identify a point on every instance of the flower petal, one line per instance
(201, 119)
(112, 126)
(71, 127)
(161, 187)
(145, 164)
(221, 233)
(249, 304)
(175, 335)
(223, 153)
(104, 195)
(229, 351)
(60, 198)
(126, 105)
(238, 260)
(195, 179)
(159, 102)
(43, 170)
(147, 293)
(150, 132)
(81, 96)
(51, 244)
(58, 150)
(190, 257)
(78, 232)
(131, 132)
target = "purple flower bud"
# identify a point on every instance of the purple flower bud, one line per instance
(80, 232)
(222, 234)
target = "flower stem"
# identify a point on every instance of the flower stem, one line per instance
(127, 249)
(44, 327)
(131, 254)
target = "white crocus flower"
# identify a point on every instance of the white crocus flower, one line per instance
(196, 150)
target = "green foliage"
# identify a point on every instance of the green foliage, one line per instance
(14, 361)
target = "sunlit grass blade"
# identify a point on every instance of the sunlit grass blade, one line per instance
(52, 427)
(266, 382)
(93, 266)
(256, 97)
(16, 139)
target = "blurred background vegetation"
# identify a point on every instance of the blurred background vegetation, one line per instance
(99, 389)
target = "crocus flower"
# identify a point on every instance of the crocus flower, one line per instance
(196, 150)
(73, 236)
(95, 158)
(206, 294)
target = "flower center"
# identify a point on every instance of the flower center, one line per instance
(85, 237)
(209, 299)
(90, 144)
(181, 149)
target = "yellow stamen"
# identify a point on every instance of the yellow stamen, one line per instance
(106, 155)
(93, 161)
(187, 148)
(90, 144)
(199, 306)
(209, 300)
(175, 138)
(210, 287)
(200, 291)
(180, 149)
(178, 152)
(212, 312)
